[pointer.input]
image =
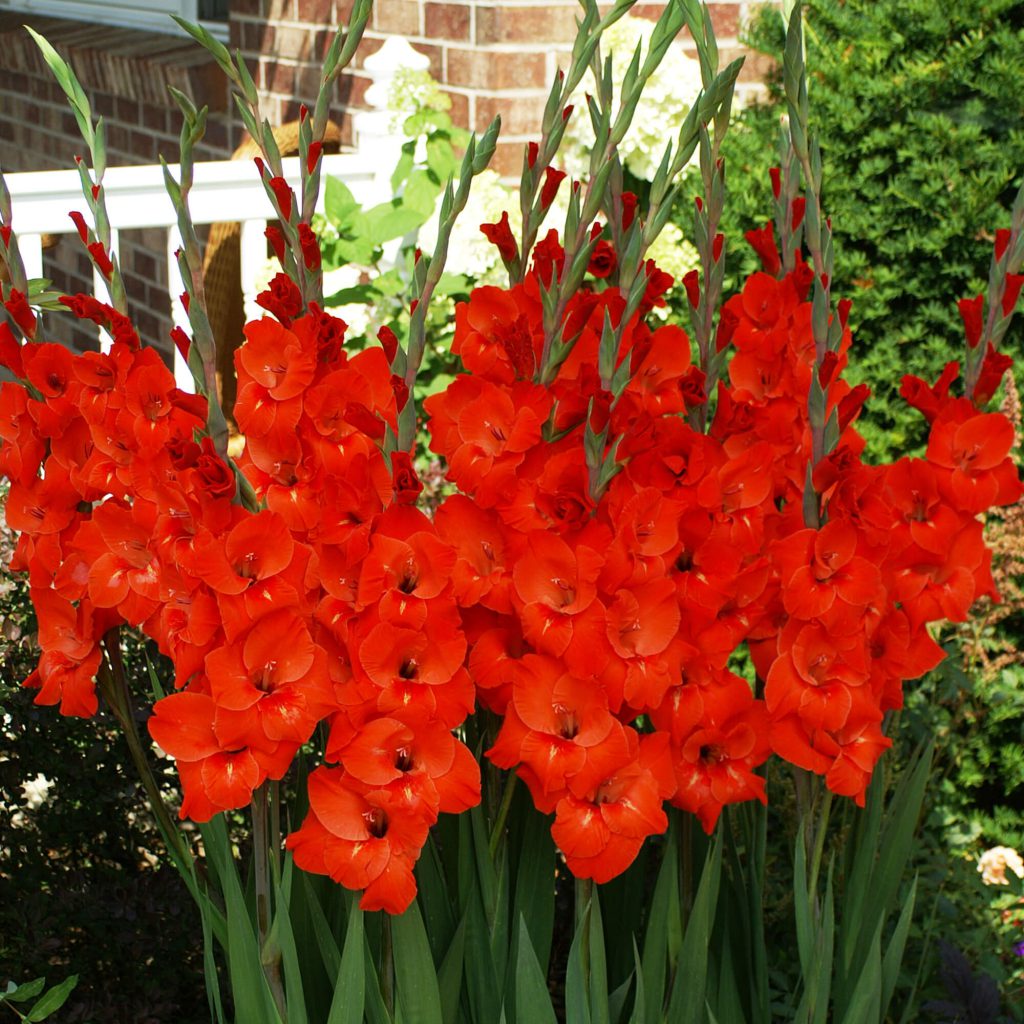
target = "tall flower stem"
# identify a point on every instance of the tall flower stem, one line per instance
(819, 846)
(498, 831)
(114, 686)
(270, 957)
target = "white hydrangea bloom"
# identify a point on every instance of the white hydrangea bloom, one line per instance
(469, 252)
(665, 101)
(357, 314)
(411, 91)
(673, 252)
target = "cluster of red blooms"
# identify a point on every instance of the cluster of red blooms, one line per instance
(331, 602)
(601, 629)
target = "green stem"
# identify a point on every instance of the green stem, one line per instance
(819, 846)
(498, 832)
(584, 895)
(270, 959)
(387, 966)
(275, 828)
(114, 687)
(14, 1009)
(686, 866)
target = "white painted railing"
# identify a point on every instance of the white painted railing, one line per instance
(227, 190)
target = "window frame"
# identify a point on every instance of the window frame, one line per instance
(136, 14)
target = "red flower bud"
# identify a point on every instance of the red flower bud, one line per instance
(716, 246)
(971, 312)
(603, 260)
(310, 247)
(79, 221)
(827, 369)
(400, 390)
(775, 173)
(407, 484)
(182, 342)
(552, 180)
(5, 234)
(691, 282)
(1002, 241)
(283, 195)
(389, 342)
(101, 258)
(282, 299)
(728, 321)
(799, 205)
(700, 203)
(992, 370)
(1012, 292)
(844, 306)
(629, 202)
(532, 152)
(567, 112)
(500, 234)
(10, 351)
(692, 385)
(313, 156)
(803, 277)
(276, 240)
(851, 404)
(21, 313)
(762, 240)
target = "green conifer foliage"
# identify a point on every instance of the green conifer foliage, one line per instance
(919, 106)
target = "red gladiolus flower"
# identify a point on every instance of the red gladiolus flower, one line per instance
(500, 235)
(363, 838)
(600, 830)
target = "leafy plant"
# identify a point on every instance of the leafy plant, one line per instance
(43, 1004)
(916, 105)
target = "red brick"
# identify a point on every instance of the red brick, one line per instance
(507, 160)
(725, 20)
(352, 90)
(315, 12)
(279, 78)
(154, 118)
(292, 43)
(520, 115)
(368, 46)
(532, 24)
(446, 21)
(480, 69)
(256, 37)
(460, 107)
(649, 12)
(756, 66)
(401, 17)
(435, 54)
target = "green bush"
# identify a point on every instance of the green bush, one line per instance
(85, 884)
(917, 107)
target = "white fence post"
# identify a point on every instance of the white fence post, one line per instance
(253, 256)
(377, 141)
(31, 249)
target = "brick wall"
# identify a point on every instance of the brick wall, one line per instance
(125, 74)
(492, 56)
